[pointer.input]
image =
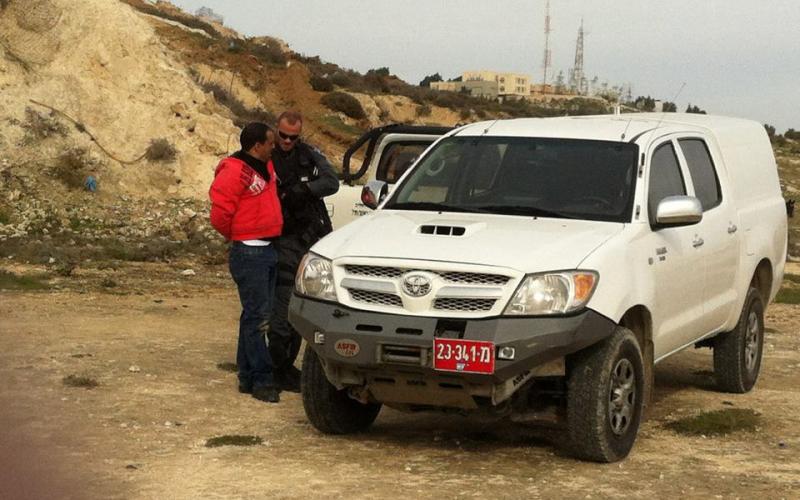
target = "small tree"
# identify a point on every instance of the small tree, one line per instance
(379, 71)
(669, 107)
(694, 109)
(426, 82)
(644, 103)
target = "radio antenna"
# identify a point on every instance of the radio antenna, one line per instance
(663, 113)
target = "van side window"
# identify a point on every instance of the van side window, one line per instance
(701, 168)
(666, 178)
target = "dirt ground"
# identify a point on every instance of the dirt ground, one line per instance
(153, 343)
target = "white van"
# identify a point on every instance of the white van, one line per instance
(537, 269)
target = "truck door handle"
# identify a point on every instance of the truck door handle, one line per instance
(698, 242)
(732, 229)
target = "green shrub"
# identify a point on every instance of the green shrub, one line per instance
(320, 83)
(344, 103)
(424, 110)
(161, 150)
(267, 51)
(342, 79)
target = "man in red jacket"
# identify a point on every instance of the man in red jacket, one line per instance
(246, 210)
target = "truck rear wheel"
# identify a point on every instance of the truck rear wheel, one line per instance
(605, 396)
(328, 409)
(737, 354)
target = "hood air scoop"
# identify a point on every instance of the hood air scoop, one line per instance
(442, 230)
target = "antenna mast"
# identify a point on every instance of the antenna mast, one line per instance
(547, 55)
(577, 79)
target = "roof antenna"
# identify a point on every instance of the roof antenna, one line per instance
(674, 98)
(663, 113)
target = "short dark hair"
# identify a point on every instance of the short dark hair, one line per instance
(253, 133)
(292, 117)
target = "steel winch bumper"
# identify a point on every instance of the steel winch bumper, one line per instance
(391, 354)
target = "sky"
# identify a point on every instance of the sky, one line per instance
(735, 57)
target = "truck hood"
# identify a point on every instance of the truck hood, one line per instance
(526, 244)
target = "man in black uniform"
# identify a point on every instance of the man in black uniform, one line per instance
(304, 178)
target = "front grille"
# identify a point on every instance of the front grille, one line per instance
(377, 298)
(475, 278)
(375, 271)
(463, 305)
(462, 278)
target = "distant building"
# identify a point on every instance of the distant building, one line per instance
(508, 84)
(489, 85)
(207, 14)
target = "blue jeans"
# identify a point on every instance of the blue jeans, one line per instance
(254, 269)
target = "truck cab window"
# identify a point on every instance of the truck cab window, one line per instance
(666, 178)
(701, 168)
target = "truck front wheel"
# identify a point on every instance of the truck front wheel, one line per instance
(328, 409)
(605, 396)
(737, 354)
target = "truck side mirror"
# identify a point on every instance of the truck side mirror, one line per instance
(373, 193)
(674, 211)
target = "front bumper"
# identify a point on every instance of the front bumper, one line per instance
(400, 342)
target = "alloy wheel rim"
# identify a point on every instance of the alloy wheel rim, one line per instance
(751, 342)
(621, 396)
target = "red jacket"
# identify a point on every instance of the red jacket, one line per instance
(244, 206)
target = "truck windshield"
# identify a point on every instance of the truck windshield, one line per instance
(561, 178)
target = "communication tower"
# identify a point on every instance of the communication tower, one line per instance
(577, 78)
(547, 55)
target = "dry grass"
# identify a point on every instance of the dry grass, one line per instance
(71, 167)
(161, 150)
(227, 366)
(11, 281)
(242, 115)
(39, 126)
(80, 381)
(233, 440)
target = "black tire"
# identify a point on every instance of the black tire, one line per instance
(601, 430)
(330, 410)
(737, 354)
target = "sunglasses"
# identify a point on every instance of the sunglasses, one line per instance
(288, 137)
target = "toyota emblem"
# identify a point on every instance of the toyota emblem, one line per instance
(416, 285)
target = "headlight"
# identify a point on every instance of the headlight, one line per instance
(552, 293)
(315, 278)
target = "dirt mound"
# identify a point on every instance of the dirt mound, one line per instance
(101, 63)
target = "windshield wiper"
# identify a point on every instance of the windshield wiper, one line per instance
(437, 207)
(525, 210)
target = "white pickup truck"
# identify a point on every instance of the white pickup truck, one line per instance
(538, 269)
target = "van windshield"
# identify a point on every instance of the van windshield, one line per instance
(562, 178)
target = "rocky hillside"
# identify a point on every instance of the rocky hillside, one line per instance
(145, 99)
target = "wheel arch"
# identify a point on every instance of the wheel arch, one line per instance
(762, 279)
(639, 320)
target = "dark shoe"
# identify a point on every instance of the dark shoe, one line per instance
(289, 380)
(269, 393)
(245, 388)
